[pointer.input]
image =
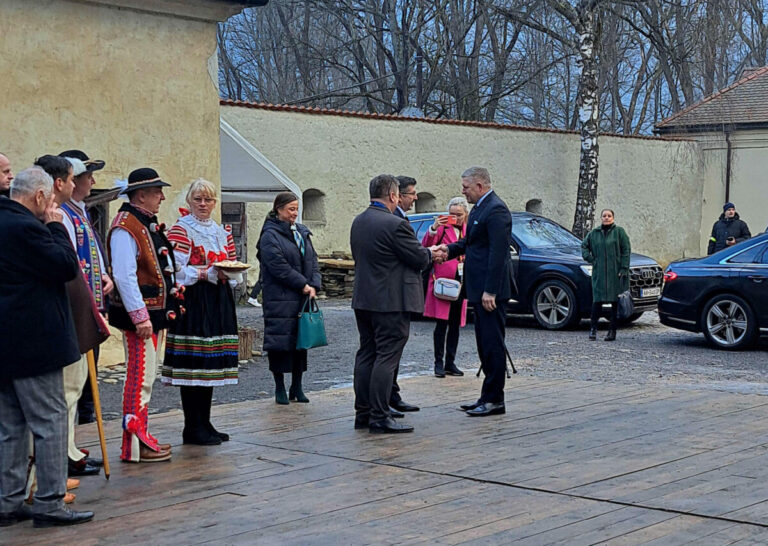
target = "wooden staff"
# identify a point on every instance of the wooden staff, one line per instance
(97, 408)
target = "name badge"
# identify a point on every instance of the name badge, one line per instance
(461, 269)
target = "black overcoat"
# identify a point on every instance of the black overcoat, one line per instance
(284, 273)
(37, 334)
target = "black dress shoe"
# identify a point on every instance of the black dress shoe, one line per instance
(453, 370)
(611, 335)
(94, 462)
(487, 408)
(361, 422)
(467, 407)
(63, 516)
(81, 468)
(388, 426)
(403, 406)
(9, 518)
(439, 369)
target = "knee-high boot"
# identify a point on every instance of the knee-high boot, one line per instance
(195, 430)
(207, 399)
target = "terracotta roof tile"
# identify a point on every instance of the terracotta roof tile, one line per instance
(394, 117)
(744, 101)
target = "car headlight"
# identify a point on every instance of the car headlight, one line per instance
(587, 270)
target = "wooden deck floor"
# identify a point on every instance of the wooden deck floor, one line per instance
(571, 463)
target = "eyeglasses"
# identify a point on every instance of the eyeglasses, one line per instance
(407, 193)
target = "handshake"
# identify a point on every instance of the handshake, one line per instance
(439, 253)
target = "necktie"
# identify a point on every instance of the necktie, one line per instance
(299, 239)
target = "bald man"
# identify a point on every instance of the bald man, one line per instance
(6, 175)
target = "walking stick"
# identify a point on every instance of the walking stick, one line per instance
(97, 408)
(514, 370)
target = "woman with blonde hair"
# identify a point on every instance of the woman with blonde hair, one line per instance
(449, 315)
(202, 345)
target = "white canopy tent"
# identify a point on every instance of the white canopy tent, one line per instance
(247, 176)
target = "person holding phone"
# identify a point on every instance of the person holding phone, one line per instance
(449, 316)
(728, 230)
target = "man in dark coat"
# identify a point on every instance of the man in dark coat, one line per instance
(6, 175)
(37, 340)
(407, 187)
(486, 273)
(728, 230)
(388, 261)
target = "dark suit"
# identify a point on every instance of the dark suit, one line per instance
(394, 396)
(388, 261)
(487, 269)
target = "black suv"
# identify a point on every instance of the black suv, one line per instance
(551, 279)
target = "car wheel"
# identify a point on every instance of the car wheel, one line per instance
(631, 318)
(554, 305)
(728, 322)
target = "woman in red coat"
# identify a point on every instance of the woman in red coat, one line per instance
(449, 315)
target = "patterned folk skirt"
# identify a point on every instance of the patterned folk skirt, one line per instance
(202, 345)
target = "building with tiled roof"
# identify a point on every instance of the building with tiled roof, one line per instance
(731, 127)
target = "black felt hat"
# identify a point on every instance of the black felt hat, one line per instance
(143, 178)
(90, 164)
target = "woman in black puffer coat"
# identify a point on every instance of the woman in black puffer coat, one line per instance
(289, 273)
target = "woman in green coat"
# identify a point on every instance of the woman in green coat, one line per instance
(607, 249)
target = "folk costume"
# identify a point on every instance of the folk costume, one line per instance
(81, 234)
(143, 270)
(202, 347)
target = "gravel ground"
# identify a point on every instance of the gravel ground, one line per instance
(645, 353)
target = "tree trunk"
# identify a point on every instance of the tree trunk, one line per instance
(588, 104)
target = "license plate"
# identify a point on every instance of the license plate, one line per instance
(648, 292)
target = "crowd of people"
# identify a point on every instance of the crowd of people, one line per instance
(167, 292)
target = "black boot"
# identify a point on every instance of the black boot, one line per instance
(611, 335)
(195, 431)
(439, 369)
(281, 397)
(592, 333)
(224, 437)
(295, 392)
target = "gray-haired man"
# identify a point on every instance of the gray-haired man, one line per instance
(36, 259)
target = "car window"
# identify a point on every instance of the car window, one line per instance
(541, 233)
(747, 256)
(764, 259)
(420, 227)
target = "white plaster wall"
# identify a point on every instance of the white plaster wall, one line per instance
(654, 185)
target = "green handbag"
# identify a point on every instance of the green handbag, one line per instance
(311, 326)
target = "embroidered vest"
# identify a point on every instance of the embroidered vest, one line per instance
(87, 251)
(155, 269)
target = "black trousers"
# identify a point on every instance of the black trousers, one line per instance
(382, 339)
(447, 348)
(597, 309)
(489, 334)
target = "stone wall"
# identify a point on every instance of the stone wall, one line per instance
(134, 88)
(654, 185)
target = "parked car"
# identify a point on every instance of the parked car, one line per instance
(724, 295)
(551, 280)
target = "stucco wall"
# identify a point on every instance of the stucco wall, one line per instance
(653, 185)
(127, 87)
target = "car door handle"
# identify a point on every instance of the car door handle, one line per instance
(756, 278)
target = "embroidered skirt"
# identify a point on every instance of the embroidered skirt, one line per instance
(202, 345)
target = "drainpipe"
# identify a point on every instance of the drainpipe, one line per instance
(728, 153)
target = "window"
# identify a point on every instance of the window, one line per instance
(747, 256)
(764, 259)
(426, 202)
(533, 206)
(314, 207)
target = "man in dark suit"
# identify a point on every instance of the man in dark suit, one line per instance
(37, 341)
(407, 187)
(388, 288)
(487, 285)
